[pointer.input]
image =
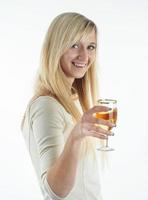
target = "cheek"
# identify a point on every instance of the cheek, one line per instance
(92, 58)
(63, 60)
(66, 58)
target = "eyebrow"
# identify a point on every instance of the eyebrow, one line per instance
(93, 43)
(90, 43)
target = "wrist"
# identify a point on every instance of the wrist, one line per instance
(74, 143)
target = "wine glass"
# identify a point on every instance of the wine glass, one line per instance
(110, 115)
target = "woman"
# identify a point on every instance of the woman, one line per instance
(59, 126)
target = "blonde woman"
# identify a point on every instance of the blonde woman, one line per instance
(59, 127)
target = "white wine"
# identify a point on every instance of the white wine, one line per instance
(108, 115)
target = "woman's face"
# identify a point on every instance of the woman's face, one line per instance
(77, 59)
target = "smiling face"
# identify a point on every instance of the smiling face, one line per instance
(76, 60)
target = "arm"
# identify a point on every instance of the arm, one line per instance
(60, 161)
(61, 176)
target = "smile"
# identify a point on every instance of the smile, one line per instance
(79, 65)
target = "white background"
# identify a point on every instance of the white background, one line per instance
(123, 27)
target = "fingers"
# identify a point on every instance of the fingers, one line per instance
(99, 109)
(104, 122)
(95, 131)
(96, 127)
(100, 136)
(90, 116)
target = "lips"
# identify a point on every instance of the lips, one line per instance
(79, 65)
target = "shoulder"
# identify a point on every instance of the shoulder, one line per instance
(46, 101)
(47, 105)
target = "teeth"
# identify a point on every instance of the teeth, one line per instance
(79, 64)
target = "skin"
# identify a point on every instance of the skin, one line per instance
(59, 180)
(82, 54)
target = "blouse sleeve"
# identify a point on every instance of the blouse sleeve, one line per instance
(47, 122)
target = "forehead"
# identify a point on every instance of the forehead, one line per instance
(89, 38)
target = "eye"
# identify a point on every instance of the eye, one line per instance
(91, 47)
(75, 46)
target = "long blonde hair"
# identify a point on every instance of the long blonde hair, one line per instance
(65, 30)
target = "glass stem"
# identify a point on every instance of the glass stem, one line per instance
(107, 142)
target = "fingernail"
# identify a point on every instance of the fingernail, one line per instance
(111, 133)
(114, 125)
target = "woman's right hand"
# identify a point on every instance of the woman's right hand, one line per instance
(89, 125)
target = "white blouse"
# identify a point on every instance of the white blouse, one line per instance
(46, 128)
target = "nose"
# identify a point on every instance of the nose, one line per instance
(83, 55)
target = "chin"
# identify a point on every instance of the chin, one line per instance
(79, 76)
